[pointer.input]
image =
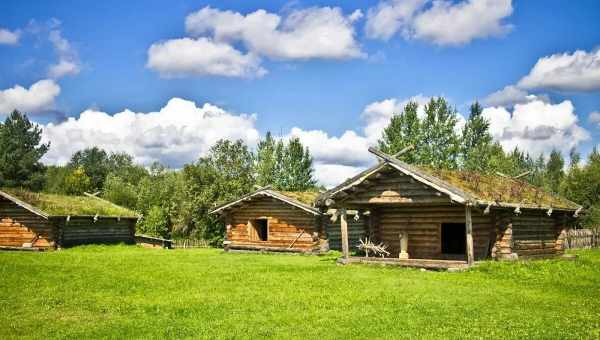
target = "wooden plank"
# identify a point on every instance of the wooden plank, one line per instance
(469, 231)
(344, 231)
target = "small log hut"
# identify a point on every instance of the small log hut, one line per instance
(269, 220)
(441, 219)
(38, 221)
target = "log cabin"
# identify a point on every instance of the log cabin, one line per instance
(40, 221)
(270, 220)
(442, 218)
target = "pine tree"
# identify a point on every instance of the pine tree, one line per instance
(266, 161)
(574, 157)
(280, 179)
(297, 167)
(476, 142)
(20, 152)
(554, 170)
(404, 129)
(440, 143)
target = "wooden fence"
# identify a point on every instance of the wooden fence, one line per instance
(190, 243)
(583, 238)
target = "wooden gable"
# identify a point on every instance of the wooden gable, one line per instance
(392, 186)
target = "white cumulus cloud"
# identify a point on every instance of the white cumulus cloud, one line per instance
(331, 175)
(441, 22)
(349, 149)
(594, 118)
(9, 37)
(39, 97)
(231, 44)
(177, 134)
(68, 60)
(537, 126)
(391, 17)
(317, 32)
(202, 56)
(511, 95)
(335, 158)
(578, 71)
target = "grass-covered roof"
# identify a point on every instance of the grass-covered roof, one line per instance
(64, 205)
(306, 197)
(500, 189)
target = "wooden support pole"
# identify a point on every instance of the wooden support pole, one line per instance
(403, 151)
(469, 232)
(344, 227)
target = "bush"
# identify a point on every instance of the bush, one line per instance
(155, 223)
(77, 182)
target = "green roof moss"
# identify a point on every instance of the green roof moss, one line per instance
(63, 205)
(500, 189)
(306, 197)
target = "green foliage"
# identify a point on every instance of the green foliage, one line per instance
(120, 191)
(582, 185)
(20, 153)
(98, 163)
(155, 223)
(440, 144)
(267, 163)
(284, 166)
(55, 179)
(404, 130)
(477, 145)
(297, 171)
(77, 182)
(223, 175)
(554, 170)
(436, 143)
(131, 292)
(94, 161)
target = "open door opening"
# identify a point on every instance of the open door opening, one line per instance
(260, 227)
(454, 238)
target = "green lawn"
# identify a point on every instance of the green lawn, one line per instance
(127, 291)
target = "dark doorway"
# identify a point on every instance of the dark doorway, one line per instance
(261, 227)
(453, 238)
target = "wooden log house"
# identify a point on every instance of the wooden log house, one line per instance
(450, 218)
(269, 220)
(39, 221)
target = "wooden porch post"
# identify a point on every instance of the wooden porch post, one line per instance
(344, 226)
(469, 232)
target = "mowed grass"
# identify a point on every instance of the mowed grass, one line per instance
(132, 292)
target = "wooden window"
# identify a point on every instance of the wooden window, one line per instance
(453, 238)
(259, 229)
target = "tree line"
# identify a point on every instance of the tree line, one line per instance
(172, 202)
(175, 203)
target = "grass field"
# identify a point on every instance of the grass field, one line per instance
(132, 292)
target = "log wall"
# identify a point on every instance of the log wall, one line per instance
(19, 226)
(84, 230)
(423, 225)
(535, 234)
(285, 224)
(356, 231)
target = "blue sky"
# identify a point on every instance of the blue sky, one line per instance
(376, 55)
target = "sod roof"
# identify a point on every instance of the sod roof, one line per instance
(306, 197)
(500, 189)
(64, 205)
